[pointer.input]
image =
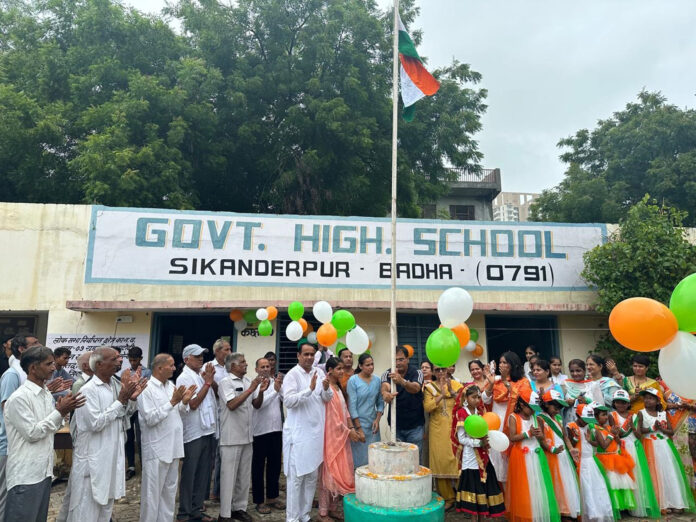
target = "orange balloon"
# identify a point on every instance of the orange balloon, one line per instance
(310, 328)
(642, 324)
(410, 350)
(327, 334)
(369, 344)
(478, 351)
(492, 420)
(236, 315)
(463, 334)
(303, 324)
(272, 312)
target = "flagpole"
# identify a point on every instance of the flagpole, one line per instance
(395, 124)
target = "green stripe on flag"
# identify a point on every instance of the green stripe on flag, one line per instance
(407, 47)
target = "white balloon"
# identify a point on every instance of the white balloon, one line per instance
(312, 337)
(262, 314)
(322, 311)
(454, 307)
(371, 336)
(470, 346)
(294, 331)
(677, 362)
(357, 340)
(240, 325)
(498, 440)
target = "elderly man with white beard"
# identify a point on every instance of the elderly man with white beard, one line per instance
(162, 432)
(98, 474)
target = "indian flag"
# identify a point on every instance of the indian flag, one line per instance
(416, 81)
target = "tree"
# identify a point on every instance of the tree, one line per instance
(279, 106)
(650, 147)
(646, 257)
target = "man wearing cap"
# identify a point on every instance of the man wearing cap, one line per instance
(199, 435)
(303, 433)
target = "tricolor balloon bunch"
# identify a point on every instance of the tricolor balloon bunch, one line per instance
(646, 325)
(262, 316)
(443, 345)
(335, 325)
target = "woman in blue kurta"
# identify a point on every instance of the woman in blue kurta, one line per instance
(366, 406)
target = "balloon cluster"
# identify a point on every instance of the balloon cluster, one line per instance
(478, 426)
(335, 325)
(262, 316)
(443, 345)
(646, 325)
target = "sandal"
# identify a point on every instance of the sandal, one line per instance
(263, 509)
(276, 504)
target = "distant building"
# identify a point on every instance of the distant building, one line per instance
(469, 199)
(512, 206)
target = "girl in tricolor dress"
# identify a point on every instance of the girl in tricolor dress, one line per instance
(623, 426)
(529, 495)
(666, 469)
(563, 472)
(596, 503)
(478, 493)
(618, 465)
(576, 386)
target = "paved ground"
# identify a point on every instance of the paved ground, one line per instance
(128, 509)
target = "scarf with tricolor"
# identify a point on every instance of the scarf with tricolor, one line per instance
(416, 81)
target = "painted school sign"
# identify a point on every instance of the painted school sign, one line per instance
(152, 246)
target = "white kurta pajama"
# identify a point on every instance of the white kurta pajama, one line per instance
(303, 438)
(162, 443)
(98, 473)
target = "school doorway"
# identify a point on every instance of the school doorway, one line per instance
(173, 331)
(514, 333)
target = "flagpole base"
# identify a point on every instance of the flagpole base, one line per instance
(356, 511)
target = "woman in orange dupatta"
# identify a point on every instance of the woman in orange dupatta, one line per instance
(336, 473)
(505, 392)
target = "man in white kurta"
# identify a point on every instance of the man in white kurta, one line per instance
(32, 420)
(98, 473)
(303, 433)
(162, 440)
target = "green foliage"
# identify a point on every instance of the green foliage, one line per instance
(648, 148)
(279, 106)
(646, 257)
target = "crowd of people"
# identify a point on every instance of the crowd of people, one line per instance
(591, 444)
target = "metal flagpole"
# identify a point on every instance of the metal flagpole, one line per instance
(395, 123)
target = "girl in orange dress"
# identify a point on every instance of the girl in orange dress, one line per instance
(505, 392)
(563, 472)
(529, 495)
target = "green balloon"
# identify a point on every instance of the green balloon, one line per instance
(476, 426)
(295, 310)
(442, 347)
(340, 333)
(340, 346)
(250, 317)
(474, 334)
(683, 303)
(265, 328)
(343, 321)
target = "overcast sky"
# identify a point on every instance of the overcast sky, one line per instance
(553, 67)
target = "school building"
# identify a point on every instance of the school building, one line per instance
(82, 276)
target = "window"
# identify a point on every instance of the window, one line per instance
(414, 329)
(462, 212)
